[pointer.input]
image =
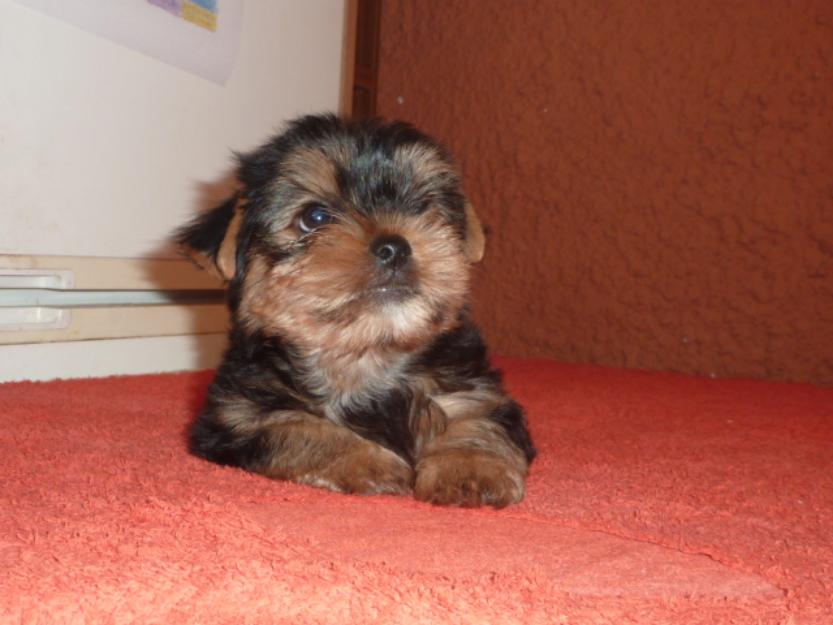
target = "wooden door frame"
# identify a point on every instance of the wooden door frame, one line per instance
(360, 59)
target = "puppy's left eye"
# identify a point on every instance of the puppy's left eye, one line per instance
(313, 217)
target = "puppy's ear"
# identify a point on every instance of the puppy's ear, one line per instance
(211, 239)
(475, 239)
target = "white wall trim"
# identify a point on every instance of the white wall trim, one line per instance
(82, 359)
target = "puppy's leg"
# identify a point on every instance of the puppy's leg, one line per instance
(475, 460)
(298, 446)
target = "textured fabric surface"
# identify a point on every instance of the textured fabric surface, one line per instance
(655, 499)
(655, 175)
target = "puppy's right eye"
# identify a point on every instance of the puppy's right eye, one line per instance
(313, 217)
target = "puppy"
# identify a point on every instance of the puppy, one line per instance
(352, 364)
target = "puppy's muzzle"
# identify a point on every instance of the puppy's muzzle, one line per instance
(394, 276)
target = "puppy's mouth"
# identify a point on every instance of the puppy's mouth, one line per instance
(391, 293)
(392, 286)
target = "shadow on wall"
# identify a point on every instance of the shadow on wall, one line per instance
(205, 316)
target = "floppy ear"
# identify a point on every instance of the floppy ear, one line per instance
(211, 239)
(475, 239)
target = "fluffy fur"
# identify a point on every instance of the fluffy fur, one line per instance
(352, 363)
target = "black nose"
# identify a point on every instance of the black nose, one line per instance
(390, 250)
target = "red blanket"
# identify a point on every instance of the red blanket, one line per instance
(655, 498)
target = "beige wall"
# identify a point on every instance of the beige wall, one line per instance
(657, 176)
(103, 150)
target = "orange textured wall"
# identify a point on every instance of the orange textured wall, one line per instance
(657, 176)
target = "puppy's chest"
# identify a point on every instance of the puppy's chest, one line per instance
(349, 384)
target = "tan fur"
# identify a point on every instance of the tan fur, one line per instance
(323, 300)
(475, 238)
(424, 162)
(471, 461)
(311, 170)
(466, 404)
(226, 257)
(223, 266)
(468, 477)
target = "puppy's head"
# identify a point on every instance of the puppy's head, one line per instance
(344, 235)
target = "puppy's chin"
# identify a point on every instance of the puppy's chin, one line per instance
(397, 316)
(393, 317)
(387, 317)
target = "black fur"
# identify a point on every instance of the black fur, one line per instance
(394, 430)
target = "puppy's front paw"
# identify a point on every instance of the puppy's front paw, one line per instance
(468, 477)
(368, 470)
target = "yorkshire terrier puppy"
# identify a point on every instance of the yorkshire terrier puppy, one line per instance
(352, 363)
